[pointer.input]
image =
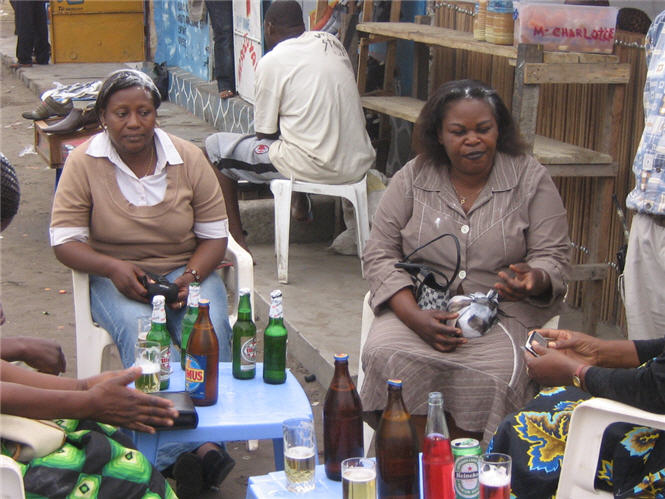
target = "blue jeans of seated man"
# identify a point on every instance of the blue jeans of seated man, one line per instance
(119, 316)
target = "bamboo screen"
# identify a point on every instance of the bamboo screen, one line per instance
(568, 113)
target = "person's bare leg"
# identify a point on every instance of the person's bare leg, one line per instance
(300, 207)
(230, 192)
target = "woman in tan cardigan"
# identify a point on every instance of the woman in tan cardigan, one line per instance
(470, 179)
(134, 199)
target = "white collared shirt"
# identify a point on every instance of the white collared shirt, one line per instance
(144, 191)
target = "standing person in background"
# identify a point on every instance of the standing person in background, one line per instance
(645, 262)
(221, 21)
(308, 119)
(32, 33)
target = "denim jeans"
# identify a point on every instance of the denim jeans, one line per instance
(119, 316)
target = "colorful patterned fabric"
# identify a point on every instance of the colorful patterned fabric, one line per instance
(97, 461)
(631, 461)
(648, 196)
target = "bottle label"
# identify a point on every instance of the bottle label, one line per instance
(248, 353)
(466, 477)
(195, 375)
(276, 310)
(165, 361)
(193, 296)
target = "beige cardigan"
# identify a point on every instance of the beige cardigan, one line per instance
(517, 217)
(157, 238)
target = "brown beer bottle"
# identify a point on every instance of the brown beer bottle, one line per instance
(396, 449)
(202, 367)
(342, 420)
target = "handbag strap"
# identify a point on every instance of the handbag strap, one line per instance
(415, 268)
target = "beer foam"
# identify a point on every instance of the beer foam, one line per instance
(147, 367)
(359, 474)
(299, 452)
(494, 476)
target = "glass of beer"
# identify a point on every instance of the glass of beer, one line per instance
(299, 454)
(494, 476)
(148, 355)
(359, 478)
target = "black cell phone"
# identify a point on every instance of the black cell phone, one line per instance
(534, 337)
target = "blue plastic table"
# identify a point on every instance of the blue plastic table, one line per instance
(245, 410)
(274, 485)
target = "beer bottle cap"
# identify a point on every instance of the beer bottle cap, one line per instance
(205, 302)
(275, 293)
(158, 299)
(435, 396)
(341, 357)
(243, 291)
(395, 382)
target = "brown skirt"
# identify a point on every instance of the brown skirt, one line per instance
(482, 381)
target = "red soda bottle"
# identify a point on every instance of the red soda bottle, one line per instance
(438, 462)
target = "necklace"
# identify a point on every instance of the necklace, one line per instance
(464, 198)
(149, 165)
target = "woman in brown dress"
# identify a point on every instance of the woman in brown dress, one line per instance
(471, 179)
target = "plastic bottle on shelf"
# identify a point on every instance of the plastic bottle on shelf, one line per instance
(500, 25)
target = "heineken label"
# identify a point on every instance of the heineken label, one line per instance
(466, 477)
(248, 353)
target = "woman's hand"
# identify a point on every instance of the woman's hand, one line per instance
(125, 276)
(431, 326)
(183, 283)
(579, 346)
(526, 282)
(552, 367)
(113, 403)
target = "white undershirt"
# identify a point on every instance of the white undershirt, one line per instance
(144, 191)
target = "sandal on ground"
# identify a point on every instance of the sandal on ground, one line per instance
(188, 475)
(309, 217)
(217, 464)
(226, 94)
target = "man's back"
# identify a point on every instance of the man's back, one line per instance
(305, 88)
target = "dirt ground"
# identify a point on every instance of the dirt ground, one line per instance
(36, 290)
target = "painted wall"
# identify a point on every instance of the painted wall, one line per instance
(181, 42)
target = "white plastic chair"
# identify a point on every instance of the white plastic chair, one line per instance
(365, 323)
(91, 339)
(11, 479)
(282, 189)
(585, 433)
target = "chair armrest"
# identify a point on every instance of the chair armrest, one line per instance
(585, 434)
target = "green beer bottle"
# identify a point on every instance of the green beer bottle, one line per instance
(160, 334)
(189, 319)
(244, 339)
(274, 343)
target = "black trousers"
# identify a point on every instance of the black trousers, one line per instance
(221, 21)
(32, 31)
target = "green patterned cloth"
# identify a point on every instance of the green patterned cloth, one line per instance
(96, 461)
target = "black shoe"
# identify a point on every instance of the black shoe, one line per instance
(217, 464)
(49, 107)
(188, 475)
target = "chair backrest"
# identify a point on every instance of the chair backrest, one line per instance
(366, 322)
(585, 433)
(11, 479)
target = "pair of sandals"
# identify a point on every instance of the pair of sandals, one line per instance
(226, 94)
(194, 474)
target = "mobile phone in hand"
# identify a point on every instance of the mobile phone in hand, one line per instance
(534, 337)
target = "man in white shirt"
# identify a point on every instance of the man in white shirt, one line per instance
(308, 118)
